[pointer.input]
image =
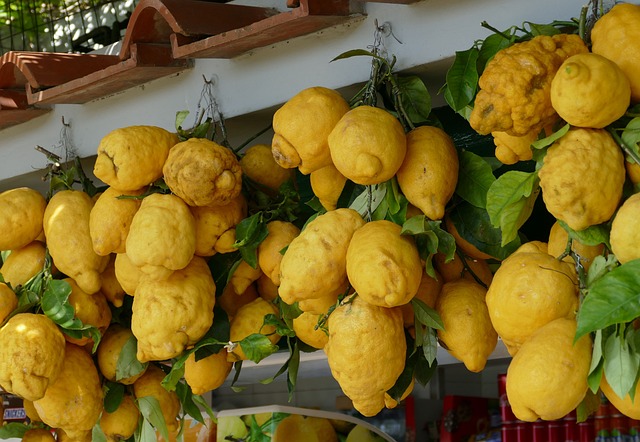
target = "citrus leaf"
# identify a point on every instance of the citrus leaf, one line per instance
(358, 53)
(462, 79)
(97, 435)
(145, 431)
(620, 364)
(247, 230)
(600, 266)
(128, 364)
(588, 406)
(113, 396)
(203, 404)
(429, 236)
(548, 141)
(172, 379)
(150, 409)
(591, 236)
(597, 362)
(430, 346)
(13, 430)
(180, 117)
(631, 135)
(490, 47)
(55, 302)
(369, 199)
(611, 299)
(474, 179)
(415, 98)
(292, 369)
(425, 370)
(257, 346)
(185, 395)
(426, 315)
(510, 201)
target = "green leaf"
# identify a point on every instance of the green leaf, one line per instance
(588, 406)
(145, 432)
(358, 53)
(430, 346)
(55, 302)
(600, 266)
(97, 435)
(620, 364)
(128, 363)
(542, 29)
(430, 237)
(150, 409)
(597, 362)
(113, 396)
(292, 370)
(180, 117)
(462, 79)
(13, 430)
(369, 199)
(591, 236)
(247, 230)
(185, 395)
(611, 299)
(548, 141)
(510, 201)
(474, 179)
(173, 378)
(631, 135)
(203, 404)
(257, 347)
(426, 315)
(415, 98)
(425, 370)
(490, 47)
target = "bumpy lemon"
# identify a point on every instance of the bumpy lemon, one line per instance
(590, 90)
(127, 273)
(213, 222)
(327, 184)
(66, 226)
(171, 314)
(582, 177)
(429, 173)
(8, 301)
(368, 145)
(302, 126)
(111, 287)
(307, 330)
(21, 217)
(530, 289)
(202, 172)
(626, 406)
(383, 266)
(243, 276)
(547, 379)
(258, 164)
(130, 158)
(162, 237)
(31, 355)
(281, 233)
(38, 435)
(149, 385)
(616, 36)
(78, 436)
(510, 148)
(366, 352)
(266, 288)
(90, 308)
(109, 351)
(230, 301)
(208, 373)
(110, 220)
(30, 411)
(315, 262)
(74, 401)
(249, 319)
(122, 422)
(23, 264)
(625, 234)
(557, 245)
(468, 333)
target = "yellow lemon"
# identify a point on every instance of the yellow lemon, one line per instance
(626, 406)
(111, 287)
(109, 351)
(304, 428)
(368, 145)
(90, 308)
(122, 422)
(243, 276)
(249, 319)
(625, 238)
(8, 301)
(266, 288)
(429, 173)
(307, 331)
(208, 373)
(510, 148)
(213, 222)
(21, 217)
(327, 184)
(230, 301)
(557, 245)
(38, 435)
(23, 264)
(127, 273)
(281, 233)
(258, 164)
(150, 385)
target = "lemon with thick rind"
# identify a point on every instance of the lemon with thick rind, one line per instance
(327, 184)
(21, 217)
(625, 236)
(258, 164)
(249, 319)
(122, 422)
(281, 233)
(109, 351)
(24, 263)
(208, 373)
(8, 301)
(150, 385)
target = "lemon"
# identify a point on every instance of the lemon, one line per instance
(616, 36)
(92, 309)
(366, 352)
(109, 351)
(307, 330)
(530, 289)
(625, 239)
(557, 245)
(429, 172)
(122, 422)
(301, 128)
(511, 148)
(368, 145)
(590, 90)
(32, 350)
(243, 276)
(468, 333)
(304, 428)
(74, 401)
(127, 274)
(111, 287)
(633, 171)
(582, 177)
(547, 378)
(38, 435)
(24, 263)
(258, 164)
(327, 184)
(230, 301)
(213, 222)
(8, 301)
(150, 385)
(266, 288)
(626, 406)
(208, 373)
(21, 217)
(30, 411)
(281, 233)
(249, 319)
(321, 304)
(383, 266)
(130, 158)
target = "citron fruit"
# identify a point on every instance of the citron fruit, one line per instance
(243, 276)
(327, 184)
(79, 436)
(625, 235)
(38, 435)
(366, 352)
(468, 333)
(368, 145)
(314, 264)
(582, 177)
(30, 411)
(208, 373)
(616, 36)
(281, 233)
(202, 172)
(547, 378)
(383, 266)
(8, 301)
(32, 350)
(172, 314)
(266, 288)
(626, 406)
(130, 158)
(557, 245)
(429, 172)
(109, 350)
(590, 90)
(162, 237)
(230, 301)
(249, 319)
(213, 222)
(304, 428)
(66, 226)
(111, 287)
(530, 289)
(23, 264)
(511, 148)
(321, 304)
(127, 273)
(122, 422)
(301, 128)
(110, 220)
(21, 217)
(307, 330)
(633, 171)
(90, 308)
(258, 164)
(150, 385)
(74, 401)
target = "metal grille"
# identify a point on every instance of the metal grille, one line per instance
(62, 25)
